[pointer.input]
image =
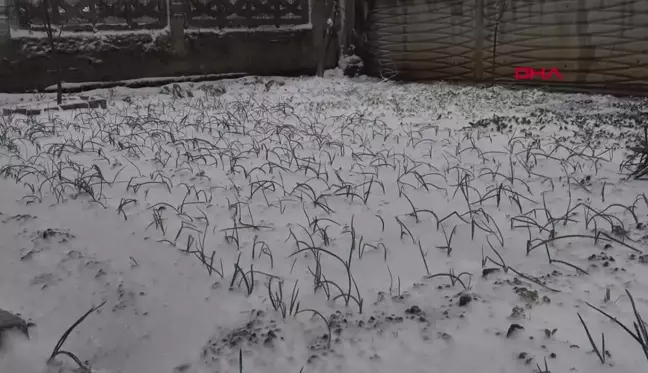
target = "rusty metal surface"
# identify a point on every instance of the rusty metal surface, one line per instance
(594, 43)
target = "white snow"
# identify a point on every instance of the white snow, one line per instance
(50, 103)
(25, 33)
(151, 81)
(279, 175)
(260, 28)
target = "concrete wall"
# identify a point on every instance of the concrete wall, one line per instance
(4, 20)
(26, 63)
(593, 43)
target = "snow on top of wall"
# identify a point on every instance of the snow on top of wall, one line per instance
(23, 33)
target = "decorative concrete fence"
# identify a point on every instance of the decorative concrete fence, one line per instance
(4, 20)
(109, 40)
(91, 15)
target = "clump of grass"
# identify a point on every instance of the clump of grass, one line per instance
(637, 161)
(640, 334)
(278, 302)
(59, 345)
(600, 353)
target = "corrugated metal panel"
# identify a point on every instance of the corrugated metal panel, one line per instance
(592, 42)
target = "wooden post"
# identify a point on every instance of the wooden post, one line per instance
(318, 16)
(177, 27)
(92, 5)
(326, 31)
(348, 26)
(55, 12)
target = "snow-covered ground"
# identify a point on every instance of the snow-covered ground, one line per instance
(324, 225)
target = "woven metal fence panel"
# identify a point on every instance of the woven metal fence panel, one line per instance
(596, 43)
(421, 39)
(591, 42)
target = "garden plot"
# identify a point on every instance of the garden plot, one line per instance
(321, 225)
